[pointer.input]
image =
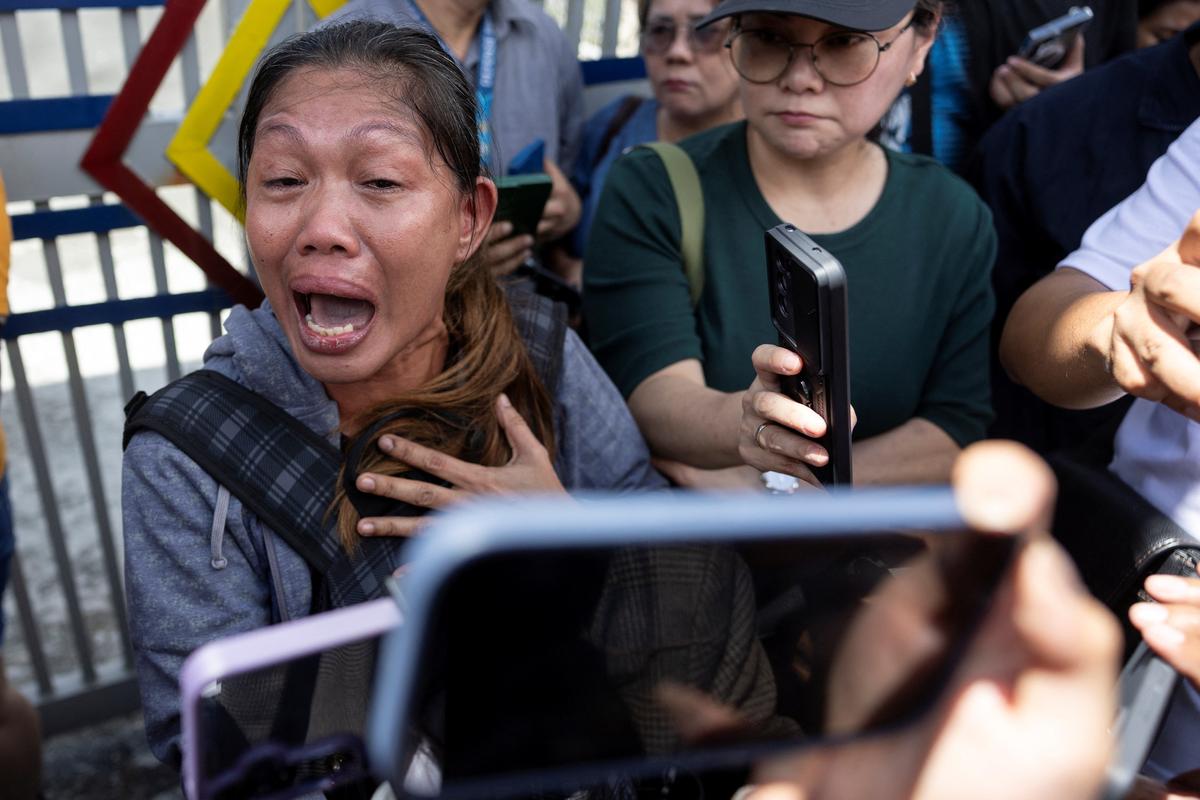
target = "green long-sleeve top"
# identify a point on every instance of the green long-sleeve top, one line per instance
(918, 270)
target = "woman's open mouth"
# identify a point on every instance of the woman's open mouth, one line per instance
(331, 323)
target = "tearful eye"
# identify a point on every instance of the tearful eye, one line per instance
(282, 183)
(381, 183)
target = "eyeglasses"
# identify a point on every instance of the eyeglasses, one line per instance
(660, 34)
(842, 58)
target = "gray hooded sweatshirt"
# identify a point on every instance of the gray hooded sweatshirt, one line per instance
(199, 566)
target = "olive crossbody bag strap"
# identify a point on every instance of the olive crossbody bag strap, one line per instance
(685, 183)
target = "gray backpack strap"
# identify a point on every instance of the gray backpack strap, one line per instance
(689, 196)
(276, 466)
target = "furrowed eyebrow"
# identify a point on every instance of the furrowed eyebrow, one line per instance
(284, 130)
(365, 131)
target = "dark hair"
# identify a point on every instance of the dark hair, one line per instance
(489, 355)
(643, 12)
(430, 84)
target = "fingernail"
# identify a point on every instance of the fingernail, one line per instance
(817, 458)
(505, 228)
(527, 241)
(366, 483)
(504, 401)
(791, 361)
(1168, 587)
(366, 528)
(1147, 614)
(386, 444)
(1164, 636)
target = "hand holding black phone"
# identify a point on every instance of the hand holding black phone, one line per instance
(808, 309)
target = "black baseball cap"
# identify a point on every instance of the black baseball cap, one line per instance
(858, 15)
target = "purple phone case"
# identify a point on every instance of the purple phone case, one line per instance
(266, 647)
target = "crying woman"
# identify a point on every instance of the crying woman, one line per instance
(385, 375)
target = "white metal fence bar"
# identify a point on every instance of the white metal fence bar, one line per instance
(131, 39)
(190, 64)
(62, 559)
(158, 258)
(32, 639)
(612, 28)
(14, 63)
(574, 26)
(91, 461)
(109, 273)
(73, 48)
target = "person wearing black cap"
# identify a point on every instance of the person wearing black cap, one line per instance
(917, 245)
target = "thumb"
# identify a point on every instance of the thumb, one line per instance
(1074, 59)
(1188, 246)
(1003, 487)
(520, 437)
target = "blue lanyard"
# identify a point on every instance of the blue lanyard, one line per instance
(485, 76)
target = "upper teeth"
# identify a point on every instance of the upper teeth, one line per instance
(323, 331)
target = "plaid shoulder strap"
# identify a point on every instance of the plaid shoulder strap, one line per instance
(278, 468)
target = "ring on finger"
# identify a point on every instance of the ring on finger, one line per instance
(758, 434)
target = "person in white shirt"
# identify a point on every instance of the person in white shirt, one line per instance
(1116, 317)
(1119, 316)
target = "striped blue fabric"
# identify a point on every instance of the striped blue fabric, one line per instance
(948, 64)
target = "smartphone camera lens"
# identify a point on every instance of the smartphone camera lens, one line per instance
(782, 290)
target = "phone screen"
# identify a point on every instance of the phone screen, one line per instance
(608, 659)
(522, 200)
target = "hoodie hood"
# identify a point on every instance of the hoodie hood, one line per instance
(255, 352)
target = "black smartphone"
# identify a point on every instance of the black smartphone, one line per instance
(1047, 45)
(522, 199)
(807, 286)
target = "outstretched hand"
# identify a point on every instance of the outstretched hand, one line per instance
(1149, 339)
(529, 471)
(1171, 627)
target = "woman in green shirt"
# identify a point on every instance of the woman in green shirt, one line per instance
(917, 245)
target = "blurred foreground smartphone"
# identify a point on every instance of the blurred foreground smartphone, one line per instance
(522, 199)
(1047, 45)
(808, 309)
(259, 716)
(668, 635)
